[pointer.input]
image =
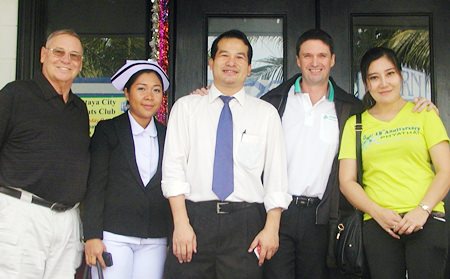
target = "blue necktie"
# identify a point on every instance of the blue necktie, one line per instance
(223, 174)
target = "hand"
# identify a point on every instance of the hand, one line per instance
(422, 103)
(200, 91)
(388, 220)
(267, 242)
(184, 242)
(93, 250)
(413, 221)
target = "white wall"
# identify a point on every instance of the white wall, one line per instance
(8, 40)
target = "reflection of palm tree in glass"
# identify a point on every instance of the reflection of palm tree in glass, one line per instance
(411, 45)
(266, 77)
(412, 48)
(270, 73)
(272, 68)
(366, 38)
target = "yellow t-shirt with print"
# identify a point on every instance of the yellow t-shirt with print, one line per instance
(397, 168)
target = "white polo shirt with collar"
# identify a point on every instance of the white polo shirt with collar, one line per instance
(312, 141)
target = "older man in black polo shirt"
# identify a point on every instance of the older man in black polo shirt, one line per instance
(44, 162)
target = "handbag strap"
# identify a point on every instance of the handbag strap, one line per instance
(358, 130)
(87, 271)
(99, 270)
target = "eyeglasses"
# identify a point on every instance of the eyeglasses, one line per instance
(60, 53)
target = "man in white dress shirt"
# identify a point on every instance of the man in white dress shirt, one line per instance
(216, 237)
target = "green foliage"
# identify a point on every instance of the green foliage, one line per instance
(104, 56)
(412, 46)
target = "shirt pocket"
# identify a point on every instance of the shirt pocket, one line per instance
(329, 129)
(250, 151)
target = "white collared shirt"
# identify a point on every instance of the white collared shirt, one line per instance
(312, 140)
(258, 147)
(146, 148)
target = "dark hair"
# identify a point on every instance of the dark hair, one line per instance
(315, 34)
(367, 59)
(236, 34)
(137, 74)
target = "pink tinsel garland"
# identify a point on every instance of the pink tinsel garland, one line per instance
(160, 46)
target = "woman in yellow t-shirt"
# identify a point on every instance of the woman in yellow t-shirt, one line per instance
(406, 174)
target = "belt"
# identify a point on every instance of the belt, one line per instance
(224, 207)
(304, 201)
(58, 207)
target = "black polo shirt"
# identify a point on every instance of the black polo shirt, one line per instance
(44, 142)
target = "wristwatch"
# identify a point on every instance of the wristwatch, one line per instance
(425, 207)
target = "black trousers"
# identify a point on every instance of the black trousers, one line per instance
(222, 243)
(422, 254)
(303, 246)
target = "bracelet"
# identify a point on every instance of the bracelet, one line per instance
(425, 207)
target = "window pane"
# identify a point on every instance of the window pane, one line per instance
(111, 32)
(266, 38)
(102, 57)
(408, 36)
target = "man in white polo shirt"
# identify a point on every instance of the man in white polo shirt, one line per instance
(313, 110)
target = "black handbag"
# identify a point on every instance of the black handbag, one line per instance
(87, 271)
(349, 248)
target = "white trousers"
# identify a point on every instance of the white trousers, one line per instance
(133, 257)
(38, 243)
